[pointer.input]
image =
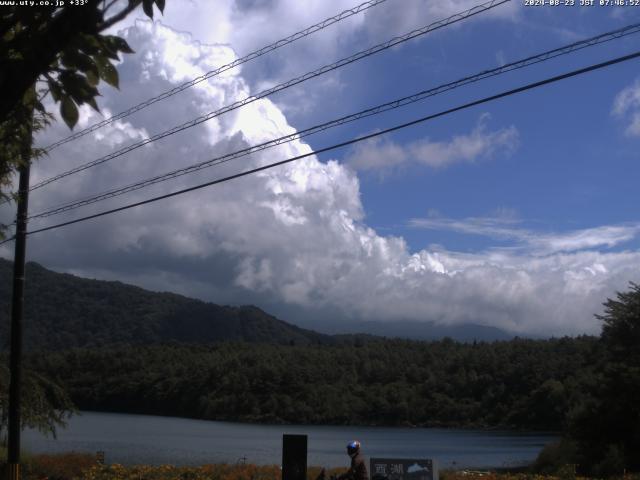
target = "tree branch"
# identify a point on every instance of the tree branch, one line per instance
(119, 16)
(106, 8)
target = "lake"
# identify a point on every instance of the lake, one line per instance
(143, 439)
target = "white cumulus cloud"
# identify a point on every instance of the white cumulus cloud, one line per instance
(296, 235)
(384, 154)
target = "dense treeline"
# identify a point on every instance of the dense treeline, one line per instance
(522, 383)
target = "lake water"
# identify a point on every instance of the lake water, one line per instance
(142, 439)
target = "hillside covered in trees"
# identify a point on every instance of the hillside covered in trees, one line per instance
(65, 311)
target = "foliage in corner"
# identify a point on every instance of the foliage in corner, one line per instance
(60, 51)
(45, 404)
(603, 425)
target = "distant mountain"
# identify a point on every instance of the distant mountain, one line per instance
(416, 330)
(64, 311)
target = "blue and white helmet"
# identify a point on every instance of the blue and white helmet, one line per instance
(353, 447)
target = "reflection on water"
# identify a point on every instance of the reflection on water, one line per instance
(131, 439)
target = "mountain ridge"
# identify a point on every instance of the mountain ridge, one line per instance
(66, 311)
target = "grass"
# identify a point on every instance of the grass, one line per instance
(80, 466)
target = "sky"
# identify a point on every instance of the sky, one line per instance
(521, 213)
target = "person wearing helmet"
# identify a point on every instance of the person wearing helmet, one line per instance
(358, 469)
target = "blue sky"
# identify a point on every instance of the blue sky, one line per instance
(562, 174)
(573, 168)
(519, 214)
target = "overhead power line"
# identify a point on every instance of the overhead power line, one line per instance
(327, 68)
(251, 56)
(507, 93)
(541, 57)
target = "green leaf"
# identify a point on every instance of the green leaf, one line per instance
(87, 64)
(88, 44)
(76, 60)
(69, 112)
(117, 44)
(56, 91)
(110, 75)
(147, 6)
(92, 101)
(108, 50)
(68, 58)
(77, 86)
(93, 78)
(107, 71)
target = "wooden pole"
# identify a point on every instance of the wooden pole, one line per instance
(17, 311)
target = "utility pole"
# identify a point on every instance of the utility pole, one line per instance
(17, 308)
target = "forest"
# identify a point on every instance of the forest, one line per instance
(520, 384)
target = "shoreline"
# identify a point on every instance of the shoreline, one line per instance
(407, 425)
